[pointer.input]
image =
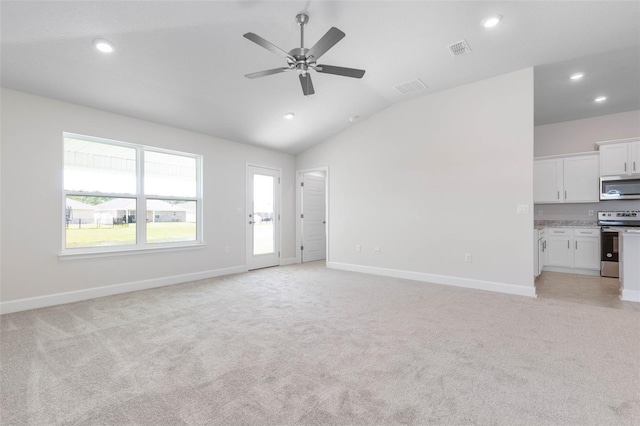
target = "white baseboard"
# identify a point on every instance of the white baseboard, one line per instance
(630, 295)
(288, 261)
(110, 290)
(438, 279)
(592, 272)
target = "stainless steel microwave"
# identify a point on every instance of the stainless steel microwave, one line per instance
(619, 188)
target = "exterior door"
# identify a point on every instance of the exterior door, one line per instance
(314, 234)
(263, 217)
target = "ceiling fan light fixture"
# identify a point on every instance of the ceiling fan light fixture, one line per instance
(492, 21)
(103, 45)
(576, 76)
(289, 116)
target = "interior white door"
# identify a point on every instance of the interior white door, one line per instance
(263, 217)
(314, 219)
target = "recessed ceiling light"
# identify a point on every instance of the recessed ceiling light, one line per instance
(354, 118)
(289, 116)
(600, 99)
(103, 45)
(576, 76)
(492, 21)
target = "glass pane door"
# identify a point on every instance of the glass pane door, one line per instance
(262, 222)
(263, 228)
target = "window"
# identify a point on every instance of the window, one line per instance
(119, 195)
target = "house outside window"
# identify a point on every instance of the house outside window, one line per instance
(122, 196)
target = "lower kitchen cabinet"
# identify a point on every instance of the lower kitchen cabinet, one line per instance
(577, 248)
(586, 254)
(560, 252)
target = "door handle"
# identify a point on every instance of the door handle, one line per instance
(251, 222)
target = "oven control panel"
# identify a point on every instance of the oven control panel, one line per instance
(620, 218)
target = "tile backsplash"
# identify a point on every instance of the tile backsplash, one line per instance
(570, 211)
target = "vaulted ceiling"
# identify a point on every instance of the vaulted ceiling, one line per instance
(182, 63)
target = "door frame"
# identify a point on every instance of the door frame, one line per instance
(299, 176)
(277, 221)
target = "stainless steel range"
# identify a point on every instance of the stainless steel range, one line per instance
(611, 223)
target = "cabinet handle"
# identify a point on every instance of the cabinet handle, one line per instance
(568, 246)
(625, 166)
(634, 166)
(558, 195)
(576, 245)
(565, 194)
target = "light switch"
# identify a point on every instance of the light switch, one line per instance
(523, 209)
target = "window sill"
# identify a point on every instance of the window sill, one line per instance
(127, 251)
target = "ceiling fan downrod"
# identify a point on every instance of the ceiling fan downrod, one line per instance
(302, 19)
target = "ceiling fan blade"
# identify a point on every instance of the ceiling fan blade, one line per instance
(307, 85)
(267, 45)
(327, 41)
(347, 72)
(266, 72)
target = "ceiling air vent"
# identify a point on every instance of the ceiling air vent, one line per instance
(411, 86)
(460, 48)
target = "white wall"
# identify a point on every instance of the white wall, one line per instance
(581, 135)
(433, 178)
(32, 213)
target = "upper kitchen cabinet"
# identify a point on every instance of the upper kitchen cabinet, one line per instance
(548, 181)
(566, 179)
(620, 158)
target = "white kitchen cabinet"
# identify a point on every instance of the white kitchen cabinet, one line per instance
(542, 249)
(630, 266)
(539, 250)
(559, 244)
(620, 158)
(581, 179)
(577, 248)
(635, 157)
(547, 181)
(566, 179)
(586, 249)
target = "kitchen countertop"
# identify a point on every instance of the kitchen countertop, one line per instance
(540, 224)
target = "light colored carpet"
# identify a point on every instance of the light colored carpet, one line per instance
(305, 345)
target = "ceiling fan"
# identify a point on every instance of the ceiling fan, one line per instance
(302, 59)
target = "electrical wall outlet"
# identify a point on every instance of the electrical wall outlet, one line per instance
(468, 257)
(539, 212)
(358, 248)
(226, 249)
(376, 250)
(590, 212)
(522, 209)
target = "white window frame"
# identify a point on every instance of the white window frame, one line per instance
(141, 198)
